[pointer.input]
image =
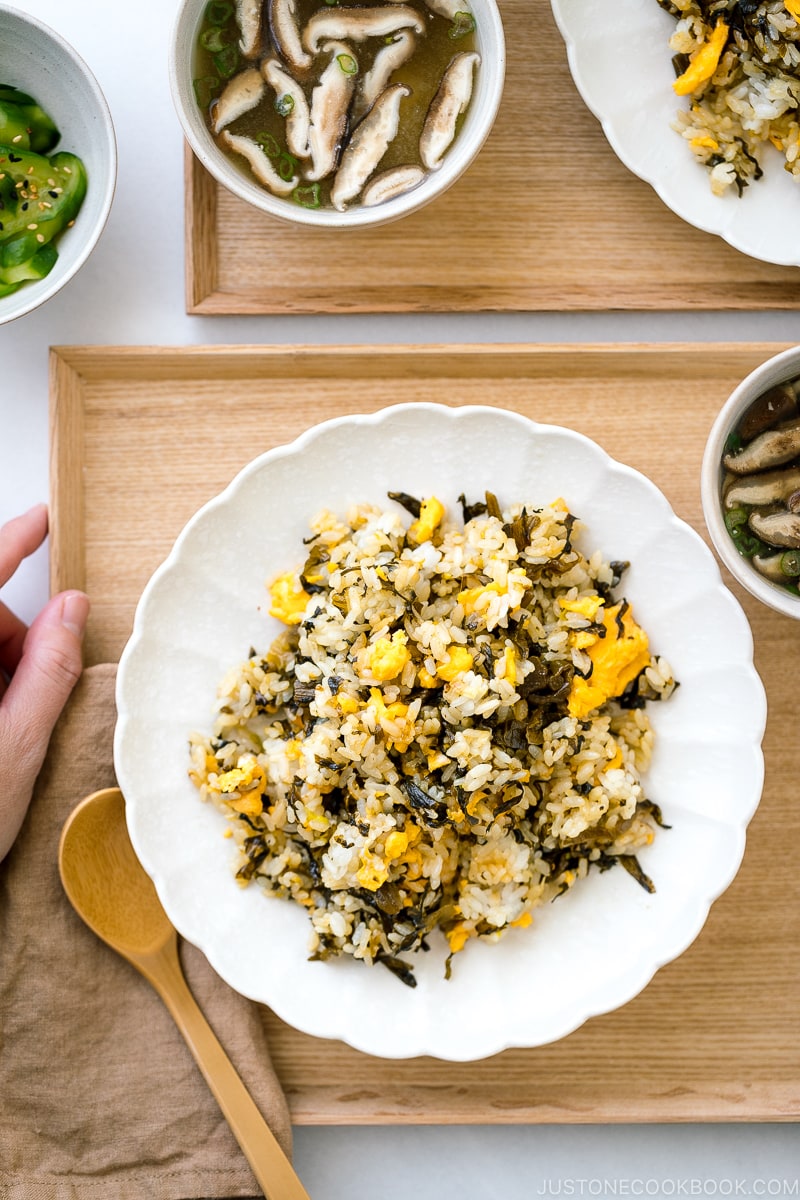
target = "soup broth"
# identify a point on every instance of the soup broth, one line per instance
(761, 485)
(218, 59)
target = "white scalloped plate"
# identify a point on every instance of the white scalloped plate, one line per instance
(620, 61)
(601, 943)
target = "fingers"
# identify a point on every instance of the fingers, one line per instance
(50, 666)
(19, 538)
(47, 672)
(12, 639)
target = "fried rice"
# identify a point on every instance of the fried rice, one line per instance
(738, 64)
(449, 732)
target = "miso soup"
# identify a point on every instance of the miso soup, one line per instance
(220, 63)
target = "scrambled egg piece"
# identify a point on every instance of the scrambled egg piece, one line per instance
(289, 599)
(430, 517)
(469, 598)
(396, 844)
(704, 63)
(391, 712)
(616, 660)
(457, 937)
(388, 656)
(437, 760)
(373, 872)
(584, 606)
(616, 760)
(459, 660)
(250, 780)
(793, 7)
(247, 775)
(509, 669)
(392, 715)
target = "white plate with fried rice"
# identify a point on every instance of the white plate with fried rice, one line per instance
(740, 122)
(412, 749)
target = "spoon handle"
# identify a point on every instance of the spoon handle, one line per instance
(269, 1164)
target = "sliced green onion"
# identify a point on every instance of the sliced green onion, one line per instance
(463, 23)
(268, 144)
(748, 544)
(205, 89)
(331, 3)
(744, 540)
(286, 166)
(218, 13)
(347, 63)
(736, 521)
(307, 196)
(733, 443)
(284, 104)
(226, 62)
(790, 563)
(215, 39)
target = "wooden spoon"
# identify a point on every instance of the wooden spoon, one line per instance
(110, 890)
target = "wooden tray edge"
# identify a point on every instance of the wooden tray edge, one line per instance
(200, 216)
(67, 561)
(205, 296)
(72, 364)
(757, 1107)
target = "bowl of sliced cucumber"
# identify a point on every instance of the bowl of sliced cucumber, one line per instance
(58, 163)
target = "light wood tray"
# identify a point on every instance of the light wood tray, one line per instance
(547, 218)
(142, 437)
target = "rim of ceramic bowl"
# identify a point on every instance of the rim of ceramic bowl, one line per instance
(775, 370)
(477, 126)
(38, 296)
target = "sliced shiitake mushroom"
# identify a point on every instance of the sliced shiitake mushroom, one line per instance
(770, 449)
(773, 407)
(765, 487)
(778, 528)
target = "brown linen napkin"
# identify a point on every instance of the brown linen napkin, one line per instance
(99, 1095)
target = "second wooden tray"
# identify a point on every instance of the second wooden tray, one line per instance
(546, 218)
(142, 437)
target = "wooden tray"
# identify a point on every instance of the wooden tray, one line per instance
(142, 437)
(572, 228)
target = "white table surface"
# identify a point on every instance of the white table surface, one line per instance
(132, 292)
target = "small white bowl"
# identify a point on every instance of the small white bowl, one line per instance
(775, 370)
(476, 127)
(38, 61)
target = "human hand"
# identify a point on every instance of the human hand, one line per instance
(38, 669)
